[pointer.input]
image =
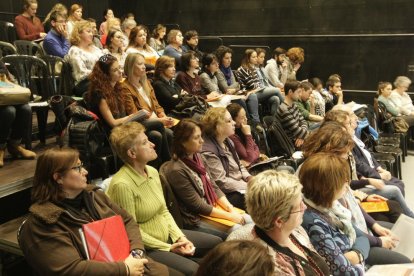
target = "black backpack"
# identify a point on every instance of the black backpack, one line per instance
(279, 142)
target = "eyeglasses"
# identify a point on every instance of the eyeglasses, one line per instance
(78, 168)
(302, 208)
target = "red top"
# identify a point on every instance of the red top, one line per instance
(249, 151)
(28, 28)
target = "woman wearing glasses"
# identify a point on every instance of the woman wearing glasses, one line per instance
(62, 203)
(278, 226)
(115, 46)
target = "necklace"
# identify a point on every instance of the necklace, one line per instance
(312, 262)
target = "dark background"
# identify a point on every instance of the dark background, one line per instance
(365, 41)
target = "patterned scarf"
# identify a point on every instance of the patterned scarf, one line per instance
(197, 165)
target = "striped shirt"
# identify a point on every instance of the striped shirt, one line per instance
(292, 121)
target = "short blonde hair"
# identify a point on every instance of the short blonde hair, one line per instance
(77, 30)
(123, 138)
(171, 36)
(212, 118)
(270, 195)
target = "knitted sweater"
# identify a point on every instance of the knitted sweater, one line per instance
(143, 198)
(28, 28)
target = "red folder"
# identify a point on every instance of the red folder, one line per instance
(106, 240)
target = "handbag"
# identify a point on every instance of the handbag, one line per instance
(400, 125)
(189, 106)
(13, 94)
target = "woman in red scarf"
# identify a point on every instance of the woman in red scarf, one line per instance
(196, 191)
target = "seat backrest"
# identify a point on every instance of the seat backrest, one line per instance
(25, 47)
(30, 72)
(6, 49)
(279, 142)
(7, 31)
(54, 66)
(170, 199)
(385, 123)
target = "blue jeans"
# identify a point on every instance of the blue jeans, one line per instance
(272, 96)
(391, 192)
(15, 120)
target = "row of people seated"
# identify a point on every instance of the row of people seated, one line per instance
(335, 233)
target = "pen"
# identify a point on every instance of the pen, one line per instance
(139, 255)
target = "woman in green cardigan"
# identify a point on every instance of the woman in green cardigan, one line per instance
(136, 187)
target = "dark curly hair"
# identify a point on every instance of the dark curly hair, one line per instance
(100, 82)
(221, 51)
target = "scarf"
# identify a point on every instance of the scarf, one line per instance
(338, 216)
(197, 165)
(227, 73)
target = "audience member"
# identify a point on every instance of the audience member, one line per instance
(112, 24)
(103, 28)
(191, 43)
(318, 96)
(115, 46)
(96, 38)
(14, 123)
(167, 90)
(138, 44)
(296, 56)
(126, 26)
(62, 203)
(136, 187)
(306, 105)
(400, 97)
(384, 92)
(290, 116)
(157, 40)
(249, 80)
(188, 78)
(174, 47)
(221, 157)
(225, 77)
(328, 223)
(61, 9)
(193, 185)
(75, 16)
(276, 68)
(141, 96)
(334, 95)
(82, 55)
(28, 25)
(278, 226)
(56, 41)
(229, 259)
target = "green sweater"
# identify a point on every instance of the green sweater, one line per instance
(143, 198)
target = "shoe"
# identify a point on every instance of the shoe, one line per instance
(1, 158)
(18, 151)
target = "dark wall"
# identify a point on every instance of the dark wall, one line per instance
(365, 41)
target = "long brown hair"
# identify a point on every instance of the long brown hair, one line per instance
(182, 133)
(245, 63)
(55, 160)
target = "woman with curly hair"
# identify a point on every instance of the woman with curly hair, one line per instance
(296, 56)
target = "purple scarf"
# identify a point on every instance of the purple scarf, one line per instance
(197, 165)
(226, 73)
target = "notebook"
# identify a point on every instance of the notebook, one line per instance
(106, 240)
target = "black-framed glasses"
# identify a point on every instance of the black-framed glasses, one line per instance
(78, 168)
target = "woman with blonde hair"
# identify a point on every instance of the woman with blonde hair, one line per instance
(82, 55)
(274, 201)
(174, 48)
(221, 156)
(141, 96)
(74, 16)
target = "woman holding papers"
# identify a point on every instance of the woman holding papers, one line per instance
(221, 157)
(193, 185)
(62, 203)
(136, 187)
